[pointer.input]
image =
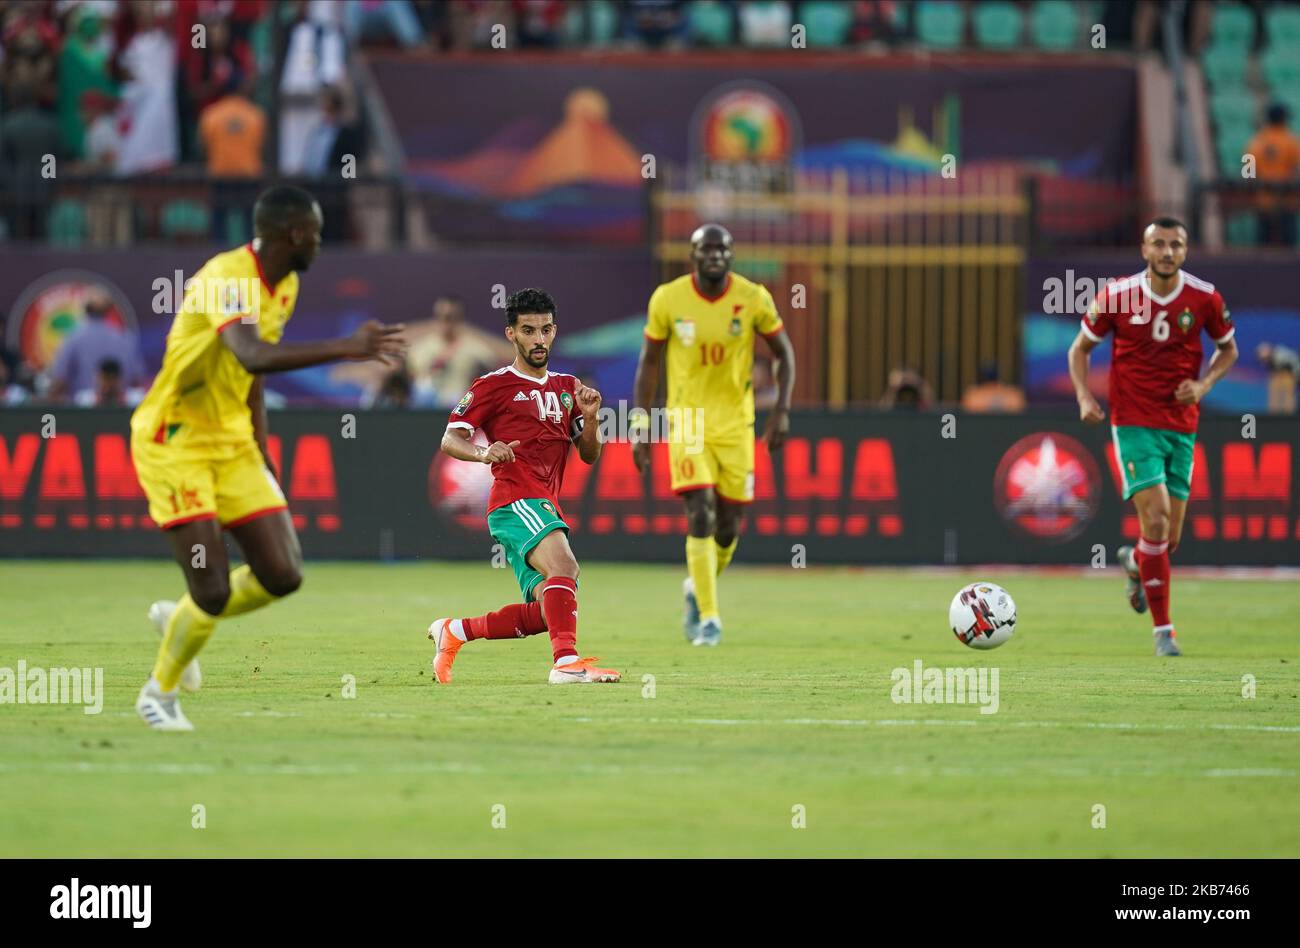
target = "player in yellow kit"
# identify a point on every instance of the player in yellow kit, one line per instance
(198, 439)
(705, 323)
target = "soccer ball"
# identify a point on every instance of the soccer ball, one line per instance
(982, 615)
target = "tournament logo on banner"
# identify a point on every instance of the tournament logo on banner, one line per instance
(1047, 486)
(48, 310)
(746, 134)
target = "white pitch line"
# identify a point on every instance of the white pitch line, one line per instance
(924, 722)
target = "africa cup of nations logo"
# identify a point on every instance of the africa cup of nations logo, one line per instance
(745, 125)
(49, 310)
(1047, 486)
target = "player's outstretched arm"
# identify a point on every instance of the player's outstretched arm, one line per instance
(643, 390)
(1089, 411)
(457, 444)
(778, 420)
(372, 340)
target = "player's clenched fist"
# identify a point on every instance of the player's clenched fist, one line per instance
(375, 340)
(1089, 411)
(499, 452)
(588, 400)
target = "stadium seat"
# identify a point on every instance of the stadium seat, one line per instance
(939, 24)
(1054, 25)
(827, 22)
(1280, 66)
(711, 24)
(1282, 26)
(998, 25)
(603, 22)
(1233, 107)
(67, 223)
(183, 218)
(1225, 67)
(1229, 146)
(1242, 230)
(1232, 26)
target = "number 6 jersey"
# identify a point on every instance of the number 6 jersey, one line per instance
(540, 413)
(1157, 346)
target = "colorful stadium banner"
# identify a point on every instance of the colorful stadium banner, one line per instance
(850, 488)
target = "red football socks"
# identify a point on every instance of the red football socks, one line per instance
(509, 622)
(560, 610)
(1153, 566)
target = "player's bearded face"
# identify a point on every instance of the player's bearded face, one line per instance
(1165, 250)
(533, 336)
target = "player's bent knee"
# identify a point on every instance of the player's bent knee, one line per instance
(211, 597)
(282, 581)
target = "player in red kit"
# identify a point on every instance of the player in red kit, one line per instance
(1157, 317)
(532, 416)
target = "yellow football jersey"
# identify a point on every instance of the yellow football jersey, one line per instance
(711, 348)
(200, 397)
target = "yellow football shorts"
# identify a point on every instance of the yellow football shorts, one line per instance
(727, 467)
(231, 485)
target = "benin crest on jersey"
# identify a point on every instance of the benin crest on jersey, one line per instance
(685, 329)
(1185, 320)
(566, 400)
(735, 326)
(463, 405)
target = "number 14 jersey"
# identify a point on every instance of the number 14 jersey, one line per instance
(1157, 345)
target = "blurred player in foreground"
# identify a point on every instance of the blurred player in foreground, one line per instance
(1157, 317)
(705, 321)
(532, 416)
(198, 439)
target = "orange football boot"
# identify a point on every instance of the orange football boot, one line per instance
(582, 672)
(448, 646)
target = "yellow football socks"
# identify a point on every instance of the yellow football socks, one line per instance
(246, 593)
(187, 631)
(725, 553)
(702, 565)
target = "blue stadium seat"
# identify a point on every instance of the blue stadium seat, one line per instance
(827, 22)
(1054, 25)
(66, 223)
(711, 24)
(998, 25)
(939, 23)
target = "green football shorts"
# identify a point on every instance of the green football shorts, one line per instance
(1148, 456)
(518, 527)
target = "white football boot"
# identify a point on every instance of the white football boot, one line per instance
(161, 710)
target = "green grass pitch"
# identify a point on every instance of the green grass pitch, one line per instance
(789, 721)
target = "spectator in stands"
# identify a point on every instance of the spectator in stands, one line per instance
(366, 20)
(102, 139)
(540, 22)
(27, 61)
(656, 23)
(28, 136)
(232, 131)
(147, 63)
(222, 65)
(445, 361)
(12, 391)
(873, 22)
(473, 22)
(1283, 365)
(907, 390)
(76, 365)
(83, 67)
(315, 56)
(1277, 161)
(989, 394)
(395, 392)
(335, 137)
(109, 391)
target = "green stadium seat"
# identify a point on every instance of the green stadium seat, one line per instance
(939, 23)
(1232, 26)
(711, 24)
(998, 25)
(1282, 26)
(1233, 107)
(603, 20)
(236, 230)
(1242, 230)
(1054, 25)
(1229, 145)
(827, 22)
(67, 224)
(1225, 67)
(1280, 66)
(183, 218)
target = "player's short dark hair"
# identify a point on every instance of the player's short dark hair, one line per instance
(526, 302)
(1168, 222)
(279, 207)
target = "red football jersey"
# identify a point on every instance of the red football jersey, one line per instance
(541, 414)
(1157, 345)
